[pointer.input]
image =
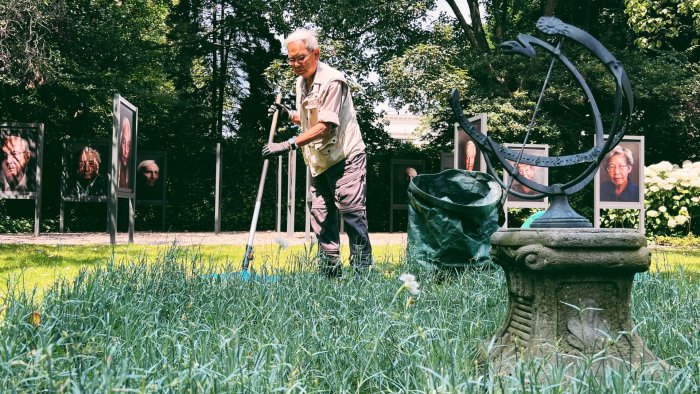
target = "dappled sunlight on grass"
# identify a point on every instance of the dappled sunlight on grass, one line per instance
(669, 260)
(41, 265)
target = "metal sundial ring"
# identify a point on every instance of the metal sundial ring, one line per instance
(525, 46)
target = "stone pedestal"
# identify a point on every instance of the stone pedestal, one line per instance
(569, 295)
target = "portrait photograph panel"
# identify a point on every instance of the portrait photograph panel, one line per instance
(85, 171)
(467, 152)
(533, 173)
(21, 147)
(402, 171)
(150, 176)
(126, 144)
(619, 180)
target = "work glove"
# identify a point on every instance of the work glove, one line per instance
(277, 148)
(285, 112)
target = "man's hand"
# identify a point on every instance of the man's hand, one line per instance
(285, 112)
(275, 149)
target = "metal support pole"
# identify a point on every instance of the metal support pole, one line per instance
(132, 215)
(278, 220)
(291, 189)
(307, 219)
(217, 191)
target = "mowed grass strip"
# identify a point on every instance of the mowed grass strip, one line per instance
(41, 265)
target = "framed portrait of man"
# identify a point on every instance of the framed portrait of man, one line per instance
(151, 176)
(123, 168)
(533, 173)
(126, 133)
(20, 159)
(467, 154)
(85, 171)
(402, 172)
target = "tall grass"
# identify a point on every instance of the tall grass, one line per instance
(168, 326)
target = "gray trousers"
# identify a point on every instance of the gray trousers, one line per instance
(341, 189)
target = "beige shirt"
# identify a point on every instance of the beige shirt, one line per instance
(328, 100)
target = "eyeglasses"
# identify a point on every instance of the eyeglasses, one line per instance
(297, 59)
(17, 154)
(88, 164)
(615, 168)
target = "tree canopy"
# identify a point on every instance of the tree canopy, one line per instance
(204, 71)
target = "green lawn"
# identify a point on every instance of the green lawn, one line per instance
(41, 265)
(167, 326)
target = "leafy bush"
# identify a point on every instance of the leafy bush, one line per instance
(672, 197)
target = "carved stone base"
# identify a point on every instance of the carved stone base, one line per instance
(569, 296)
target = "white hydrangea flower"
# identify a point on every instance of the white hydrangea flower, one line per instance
(681, 219)
(677, 198)
(654, 189)
(665, 166)
(662, 209)
(652, 213)
(672, 223)
(695, 199)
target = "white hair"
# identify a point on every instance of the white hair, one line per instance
(619, 150)
(142, 166)
(308, 37)
(88, 149)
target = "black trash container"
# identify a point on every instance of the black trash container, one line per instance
(451, 217)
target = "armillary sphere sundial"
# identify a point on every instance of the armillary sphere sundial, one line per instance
(569, 288)
(559, 214)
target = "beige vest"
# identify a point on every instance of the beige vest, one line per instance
(343, 141)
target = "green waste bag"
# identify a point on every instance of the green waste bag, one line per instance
(451, 217)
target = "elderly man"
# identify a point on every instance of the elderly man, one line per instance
(618, 164)
(148, 187)
(333, 149)
(89, 181)
(469, 155)
(124, 154)
(16, 155)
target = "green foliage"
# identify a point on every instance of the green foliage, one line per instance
(666, 24)
(204, 71)
(691, 241)
(26, 55)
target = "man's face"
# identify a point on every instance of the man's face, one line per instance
(125, 144)
(470, 153)
(618, 170)
(526, 171)
(410, 173)
(303, 61)
(15, 159)
(151, 172)
(88, 166)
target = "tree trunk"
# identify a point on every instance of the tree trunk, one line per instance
(477, 27)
